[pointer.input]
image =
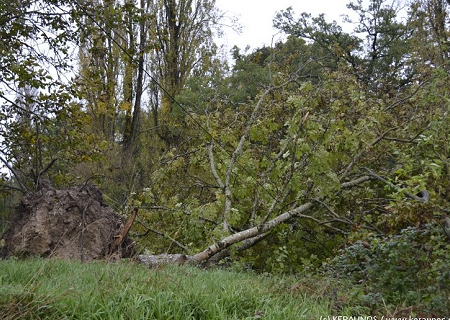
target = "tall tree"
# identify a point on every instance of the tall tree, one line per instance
(133, 120)
(183, 34)
(35, 42)
(430, 19)
(99, 60)
(386, 63)
(381, 61)
(166, 39)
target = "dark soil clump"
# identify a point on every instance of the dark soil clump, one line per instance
(74, 223)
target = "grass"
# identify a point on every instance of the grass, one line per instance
(55, 289)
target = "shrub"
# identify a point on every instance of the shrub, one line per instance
(410, 268)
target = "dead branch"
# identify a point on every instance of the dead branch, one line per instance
(126, 229)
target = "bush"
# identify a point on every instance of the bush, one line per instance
(411, 268)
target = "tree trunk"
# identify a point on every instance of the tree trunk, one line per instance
(134, 122)
(250, 233)
(128, 84)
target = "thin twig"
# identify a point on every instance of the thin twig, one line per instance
(397, 188)
(23, 188)
(398, 102)
(363, 151)
(162, 234)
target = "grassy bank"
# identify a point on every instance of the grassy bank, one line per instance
(52, 289)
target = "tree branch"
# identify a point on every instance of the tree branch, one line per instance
(249, 233)
(399, 102)
(213, 166)
(265, 227)
(162, 234)
(422, 196)
(246, 244)
(363, 151)
(355, 182)
(334, 214)
(23, 188)
(323, 223)
(238, 150)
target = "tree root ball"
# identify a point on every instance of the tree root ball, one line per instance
(74, 223)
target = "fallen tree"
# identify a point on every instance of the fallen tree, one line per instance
(294, 156)
(260, 230)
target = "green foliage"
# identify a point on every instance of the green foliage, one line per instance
(383, 61)
(249, 74)
(25, 25)
(299, 248)
(409, 268)
(387, 43)
(284, 126)
(305, 138)
(39, 123)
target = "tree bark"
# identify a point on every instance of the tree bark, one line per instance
(265, 227)
(135, 122)
(250, 233)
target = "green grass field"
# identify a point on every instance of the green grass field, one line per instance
(53, 289)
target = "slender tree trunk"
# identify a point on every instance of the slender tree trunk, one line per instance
(128, 86)
(134, 122)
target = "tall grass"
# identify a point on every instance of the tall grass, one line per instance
(55, 289)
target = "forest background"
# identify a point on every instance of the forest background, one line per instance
(328, 152)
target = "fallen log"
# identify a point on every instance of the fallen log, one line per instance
(155, 261)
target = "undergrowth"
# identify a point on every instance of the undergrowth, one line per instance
(407, 273)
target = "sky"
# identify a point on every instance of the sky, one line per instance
(255, 17)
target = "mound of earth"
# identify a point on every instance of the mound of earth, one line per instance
(71, 224)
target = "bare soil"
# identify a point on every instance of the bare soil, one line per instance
(74, 223)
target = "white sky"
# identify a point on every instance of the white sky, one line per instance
(255, 17)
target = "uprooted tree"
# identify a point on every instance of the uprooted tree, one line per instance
(339, 143)
(296, 159)
(323, 139)
(73, 223)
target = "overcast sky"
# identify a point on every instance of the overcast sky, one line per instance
(255, 17)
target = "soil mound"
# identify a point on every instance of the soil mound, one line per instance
(71, 224)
